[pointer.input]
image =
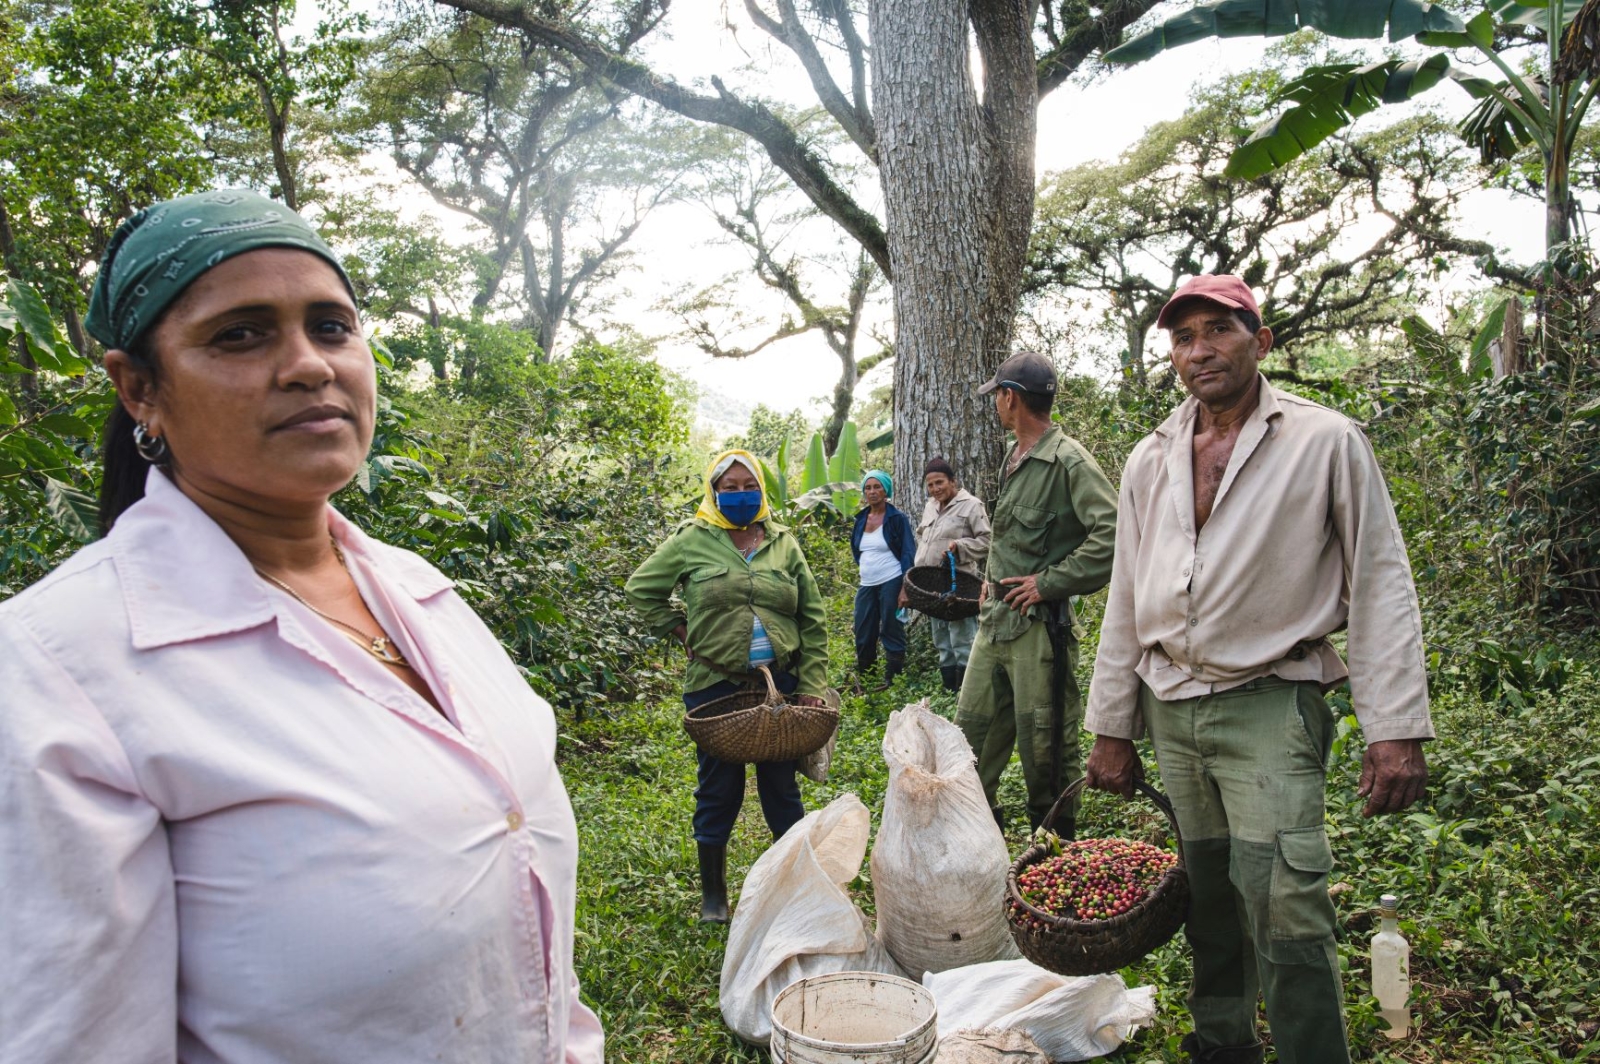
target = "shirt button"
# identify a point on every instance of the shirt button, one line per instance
(514, 821)
(1193, 621)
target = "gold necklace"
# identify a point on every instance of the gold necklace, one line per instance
(379, 646)
(1016, 458)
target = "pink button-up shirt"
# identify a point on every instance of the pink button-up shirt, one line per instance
(229, 836)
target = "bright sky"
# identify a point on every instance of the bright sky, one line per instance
(679, 245)
(1077, 124)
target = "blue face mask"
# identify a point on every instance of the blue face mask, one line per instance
(740, 507)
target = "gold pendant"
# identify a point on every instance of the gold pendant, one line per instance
(381, 650)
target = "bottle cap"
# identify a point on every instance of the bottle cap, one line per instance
(1389, 902)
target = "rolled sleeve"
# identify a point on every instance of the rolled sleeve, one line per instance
(812, 614)
(1113, 708)
(972, 550)
(1388, 672)
(1087, 568)
(90, 927)
(649, 589)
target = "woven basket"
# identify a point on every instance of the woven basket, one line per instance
(1088, 947)
(755, 725)
(928, 591)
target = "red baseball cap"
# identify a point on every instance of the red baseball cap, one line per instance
(1222, 288)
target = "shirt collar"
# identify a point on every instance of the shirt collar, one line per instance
(1045, 448)
(183, 578)
(1267, 409)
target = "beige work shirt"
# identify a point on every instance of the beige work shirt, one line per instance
(963, 521)
(1302, 541)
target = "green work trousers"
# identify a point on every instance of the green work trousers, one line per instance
(1005, 700)
(1246, 770)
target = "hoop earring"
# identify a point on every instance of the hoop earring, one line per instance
(152, 449)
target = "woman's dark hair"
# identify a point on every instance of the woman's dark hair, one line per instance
(122, 484)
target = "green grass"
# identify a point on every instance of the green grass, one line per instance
(1499, 875)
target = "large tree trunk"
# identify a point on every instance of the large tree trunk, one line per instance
(931, 155)
(1134, 377)
(1009, 125)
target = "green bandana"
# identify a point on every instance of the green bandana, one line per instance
(163, 249)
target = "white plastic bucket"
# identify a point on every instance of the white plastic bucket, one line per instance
(854, 1018)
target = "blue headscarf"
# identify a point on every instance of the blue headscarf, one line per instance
(882, 478)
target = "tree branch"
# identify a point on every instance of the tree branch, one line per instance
(1099, 34)
(787, 29)
(782, 145)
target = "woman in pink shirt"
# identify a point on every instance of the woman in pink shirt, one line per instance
(272, 793)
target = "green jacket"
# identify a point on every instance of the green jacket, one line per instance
(1056, 516)
(721, 596)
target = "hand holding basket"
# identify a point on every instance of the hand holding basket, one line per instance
(943, 591)
(1070, 946)
(757, 725)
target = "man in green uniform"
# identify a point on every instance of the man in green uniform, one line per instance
(1054, 529)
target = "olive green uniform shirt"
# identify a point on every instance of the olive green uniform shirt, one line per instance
(722, 594)
(1057, 517)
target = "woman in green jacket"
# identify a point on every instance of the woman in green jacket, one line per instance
(748, 599)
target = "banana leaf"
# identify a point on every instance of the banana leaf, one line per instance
(1496, 130)
(1350, 19)
(816, 473)
(777, 483)
(845, 465)
(1489, 330)
(1327, 100)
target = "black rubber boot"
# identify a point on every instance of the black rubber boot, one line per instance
(1251, 1054)
(864, 664)
(713, 884)
(952, 675)
(894, 665)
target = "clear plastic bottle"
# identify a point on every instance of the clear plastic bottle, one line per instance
(1391, 969)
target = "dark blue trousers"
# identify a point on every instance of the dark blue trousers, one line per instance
(720, 793)
(876, 609)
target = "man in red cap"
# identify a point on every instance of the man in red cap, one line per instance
(1254, 524)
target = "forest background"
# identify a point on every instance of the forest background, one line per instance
(583, 277)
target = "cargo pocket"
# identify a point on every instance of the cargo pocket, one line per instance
(776, 591)
(705, 588)
(1033, 531)
(1299, 907)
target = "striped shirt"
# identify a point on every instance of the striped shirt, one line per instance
(761, 652)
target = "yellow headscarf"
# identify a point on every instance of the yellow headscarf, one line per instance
(708, 506)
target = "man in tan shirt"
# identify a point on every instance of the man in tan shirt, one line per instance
(1253, 525)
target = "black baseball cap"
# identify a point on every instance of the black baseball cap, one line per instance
(1026, 371)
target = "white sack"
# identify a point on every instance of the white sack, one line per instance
(1071, 1018)
(990, 1047)
(794, 918)
(939, 864)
